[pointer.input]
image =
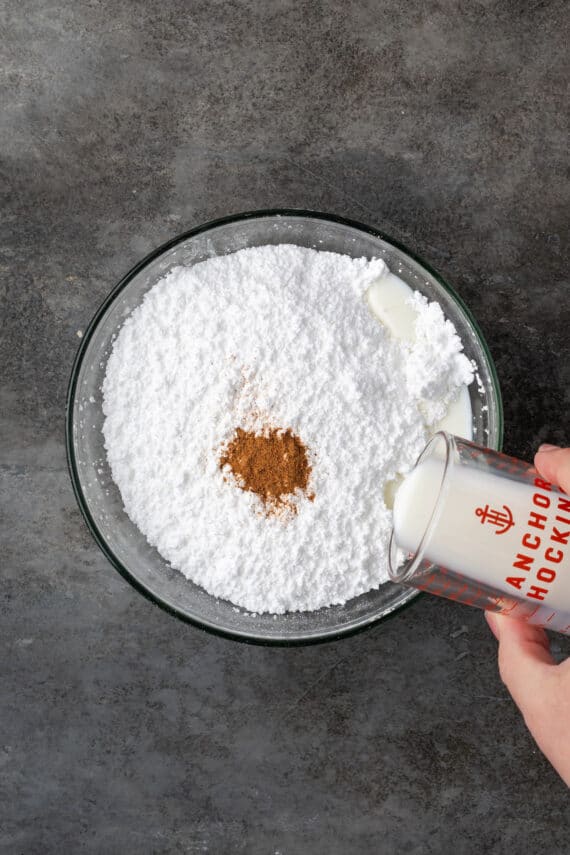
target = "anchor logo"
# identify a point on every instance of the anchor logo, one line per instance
(503, 520)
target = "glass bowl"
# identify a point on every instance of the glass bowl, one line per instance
(99, 498)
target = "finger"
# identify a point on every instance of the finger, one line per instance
(524, 661)
(554, 465)
(491, 618)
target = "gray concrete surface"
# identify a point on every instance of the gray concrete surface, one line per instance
(123, 123)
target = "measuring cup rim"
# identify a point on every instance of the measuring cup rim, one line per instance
(404, 572)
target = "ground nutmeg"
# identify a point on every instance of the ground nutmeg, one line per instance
(272, 463)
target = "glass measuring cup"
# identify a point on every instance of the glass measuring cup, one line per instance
(476, 526)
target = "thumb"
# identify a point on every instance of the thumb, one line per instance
(554, 465)
(524, 662)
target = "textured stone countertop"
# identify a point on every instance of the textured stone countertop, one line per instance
(442, 123)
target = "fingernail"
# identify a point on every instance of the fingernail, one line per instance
(547, 447)
(493, 624)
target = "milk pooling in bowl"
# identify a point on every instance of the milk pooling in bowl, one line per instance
(398, 309)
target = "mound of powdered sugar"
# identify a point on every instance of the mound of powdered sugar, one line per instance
(280, 336)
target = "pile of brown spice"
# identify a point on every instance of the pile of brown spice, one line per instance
(273, 464)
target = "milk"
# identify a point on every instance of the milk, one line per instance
(459, 417)
(388, 299)
(500, 538)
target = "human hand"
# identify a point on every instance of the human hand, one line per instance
(539, 687)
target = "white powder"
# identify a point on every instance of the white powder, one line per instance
(435, 340)
(276, 334)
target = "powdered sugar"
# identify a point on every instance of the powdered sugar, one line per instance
(435, 341)
(279, 335)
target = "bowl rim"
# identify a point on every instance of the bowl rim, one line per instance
(411, 594)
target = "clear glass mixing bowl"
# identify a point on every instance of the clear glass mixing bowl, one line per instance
(99, 498)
